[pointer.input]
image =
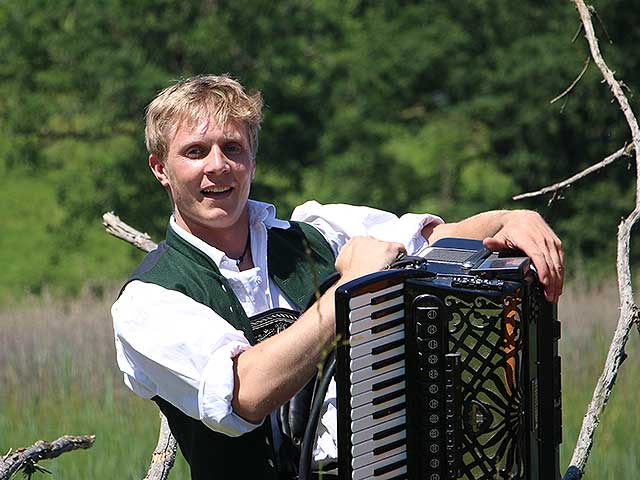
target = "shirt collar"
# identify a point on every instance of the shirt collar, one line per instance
(259, 212)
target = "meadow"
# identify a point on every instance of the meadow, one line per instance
(58, 376)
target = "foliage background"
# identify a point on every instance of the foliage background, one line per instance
(407, 106)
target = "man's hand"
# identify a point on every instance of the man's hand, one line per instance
(363, 255)
(521, 229)
(527, 231)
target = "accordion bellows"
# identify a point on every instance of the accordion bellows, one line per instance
(449, 369)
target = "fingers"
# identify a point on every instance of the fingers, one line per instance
(546, 253)
(363, 255)
(528, 232)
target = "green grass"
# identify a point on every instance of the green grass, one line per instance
(58, 376)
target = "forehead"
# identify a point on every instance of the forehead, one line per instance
(209, 128)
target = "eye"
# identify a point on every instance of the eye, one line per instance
(195, 151)
(232, 148)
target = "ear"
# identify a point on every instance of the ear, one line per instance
(159, 170)
(253, 169)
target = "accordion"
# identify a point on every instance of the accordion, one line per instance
(448, 369)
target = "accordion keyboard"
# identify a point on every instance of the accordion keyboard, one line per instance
(377, 397)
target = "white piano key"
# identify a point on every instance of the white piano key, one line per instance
(368, 397)
(368, 323)
(358, 425)
(366, 448)
(368, 433)
(366, 335)
(365, 410)
(366, 311)
(367, 470)
(366, 373)
(369, 458)
(367, 385)
(368, 360)
(376, 341)
(365, 299)
(393, 473)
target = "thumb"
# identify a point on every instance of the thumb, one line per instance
(495, 243)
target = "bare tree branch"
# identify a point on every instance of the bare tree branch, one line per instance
(121, 230)
(164, 454)
(41, 450)
(575, 82)
(629, 312)
(624, 151)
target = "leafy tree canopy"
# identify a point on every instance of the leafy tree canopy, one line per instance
(406, 106)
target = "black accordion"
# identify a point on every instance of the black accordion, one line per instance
(449, 369)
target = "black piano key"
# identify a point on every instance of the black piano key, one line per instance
(387, 346)
(389, 431)
(389, 446)
(387, 397)
(387, 311)
(386, 326)
(387, 361)
(387, 383)
(389, 468)
(386, 297)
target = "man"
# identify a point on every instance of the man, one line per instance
(184, 323)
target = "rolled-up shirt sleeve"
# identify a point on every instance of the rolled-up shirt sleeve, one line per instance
(171, 346)
(339, 222)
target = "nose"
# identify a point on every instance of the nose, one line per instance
(216, 162)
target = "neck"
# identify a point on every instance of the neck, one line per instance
(231, 240)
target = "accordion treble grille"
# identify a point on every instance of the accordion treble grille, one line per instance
(447, 376)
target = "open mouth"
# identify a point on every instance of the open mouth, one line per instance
(217, 192)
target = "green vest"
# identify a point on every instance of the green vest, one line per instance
(299, 259)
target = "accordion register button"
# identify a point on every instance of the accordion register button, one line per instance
(429, 388)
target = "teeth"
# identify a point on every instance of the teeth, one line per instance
(216, 189)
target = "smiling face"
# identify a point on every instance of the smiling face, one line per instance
(208, 171)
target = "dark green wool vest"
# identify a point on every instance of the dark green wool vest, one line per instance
(299, 260)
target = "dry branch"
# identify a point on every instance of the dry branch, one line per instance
(629, 311)
(624, 151)
(41, 450)
(575, 82)
(121, 230)
(164, 454)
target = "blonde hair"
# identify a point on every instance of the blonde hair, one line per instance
(198, 99)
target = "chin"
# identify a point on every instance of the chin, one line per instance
(222, 220)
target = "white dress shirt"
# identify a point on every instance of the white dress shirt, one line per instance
(169, 345)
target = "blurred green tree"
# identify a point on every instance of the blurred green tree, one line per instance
(438, 106)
